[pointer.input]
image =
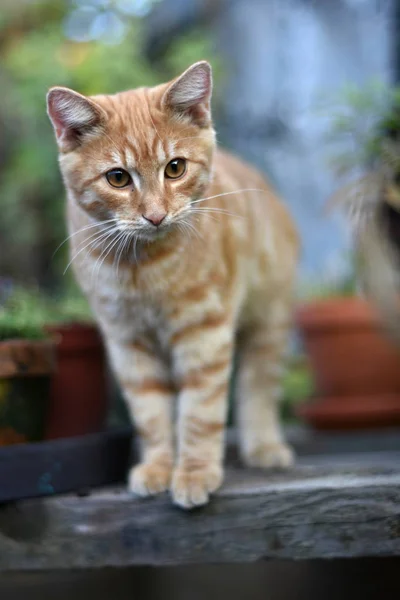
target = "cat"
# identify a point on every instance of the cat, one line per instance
(185, 253)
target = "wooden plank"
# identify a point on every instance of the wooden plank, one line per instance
(86, 462)
(328, 507)
(64, 465)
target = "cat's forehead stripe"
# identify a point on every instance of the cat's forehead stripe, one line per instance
(116, 157)
(136, 180)
(130, 158)
(171, 148)
(161, 156)
(105, 165)
(151, 138)
(133, 144)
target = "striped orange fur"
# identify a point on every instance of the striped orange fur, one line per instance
(178, 270)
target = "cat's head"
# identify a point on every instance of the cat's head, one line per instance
(139, 157)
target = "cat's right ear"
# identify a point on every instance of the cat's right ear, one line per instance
(73, 116)
(190, 94)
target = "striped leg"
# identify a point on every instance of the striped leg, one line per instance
(261, 366)
(145, 384)
(202, 355)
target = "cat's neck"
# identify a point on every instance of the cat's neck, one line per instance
(174, 242)
(149, 266)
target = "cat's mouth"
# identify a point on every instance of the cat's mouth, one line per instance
(150, 235)
(145, 233)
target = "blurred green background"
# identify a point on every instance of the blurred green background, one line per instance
(92, 46)
(264, 100)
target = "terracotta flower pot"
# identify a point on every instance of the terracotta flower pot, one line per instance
(26, 367)
(79, 386)
(356, 368)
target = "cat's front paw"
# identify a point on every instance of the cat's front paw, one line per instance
(148, 479)
(270, 456)
(192, 487)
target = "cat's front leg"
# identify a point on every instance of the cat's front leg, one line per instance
(146, 386)
(202, 355)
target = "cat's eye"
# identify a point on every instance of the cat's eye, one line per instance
(118, 178)
(175, 168)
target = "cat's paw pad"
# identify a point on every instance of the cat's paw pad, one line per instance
(271, 456)
(148, 479)
(192, 487)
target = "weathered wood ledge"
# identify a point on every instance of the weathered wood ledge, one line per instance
(343, 505)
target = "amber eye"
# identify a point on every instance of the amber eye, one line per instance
(118, 178)
(176, 168)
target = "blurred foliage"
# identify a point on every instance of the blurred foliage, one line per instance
(298, 386)
(25, 312)
(328, 287)
(367, 117)
(364, 137)
(35, 54)
(347, 286)
(70, 307)
(22, 315)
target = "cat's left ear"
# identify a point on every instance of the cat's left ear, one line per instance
(73, 117)
(190, 94)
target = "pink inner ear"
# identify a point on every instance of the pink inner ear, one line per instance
(190, 94)
(56, 120)
(70, 113)
(191, 88)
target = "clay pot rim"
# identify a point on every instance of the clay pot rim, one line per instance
(47, 341)
(351, 312)
(355, 412)
(38, 357)
(76, 337)
(73, 326)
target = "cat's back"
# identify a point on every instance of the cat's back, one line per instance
(242, 189)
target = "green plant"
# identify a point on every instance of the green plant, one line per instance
(23, 315)
(298, 385)
(69, 307)
(24, 312)
(344, 288)
(367, 119)
(327, 287)
(364, 133)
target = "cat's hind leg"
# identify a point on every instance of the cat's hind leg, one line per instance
(261, 366)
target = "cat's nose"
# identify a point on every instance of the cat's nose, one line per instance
(155, 218)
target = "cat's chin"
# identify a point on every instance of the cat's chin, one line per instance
(152, 236)
(147, 235)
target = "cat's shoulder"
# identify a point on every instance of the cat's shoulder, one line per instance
(228, 162)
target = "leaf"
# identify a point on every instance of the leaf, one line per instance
(392, 196)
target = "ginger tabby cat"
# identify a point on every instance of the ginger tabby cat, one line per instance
(183, 251)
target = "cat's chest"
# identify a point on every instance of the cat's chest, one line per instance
(131, 315)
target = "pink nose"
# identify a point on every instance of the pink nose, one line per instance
(155, 218)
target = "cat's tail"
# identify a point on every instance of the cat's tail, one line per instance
(374, 212)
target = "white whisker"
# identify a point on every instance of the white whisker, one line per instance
(186, 229)
(103, 241)
(103, 256)
(191, 228)
(189, 137)
(213, 217)
(124, 243)
(97, 238)
(98, 224)
(223, 211)
(229, 193)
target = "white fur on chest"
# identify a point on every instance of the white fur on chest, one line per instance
(124, 312)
